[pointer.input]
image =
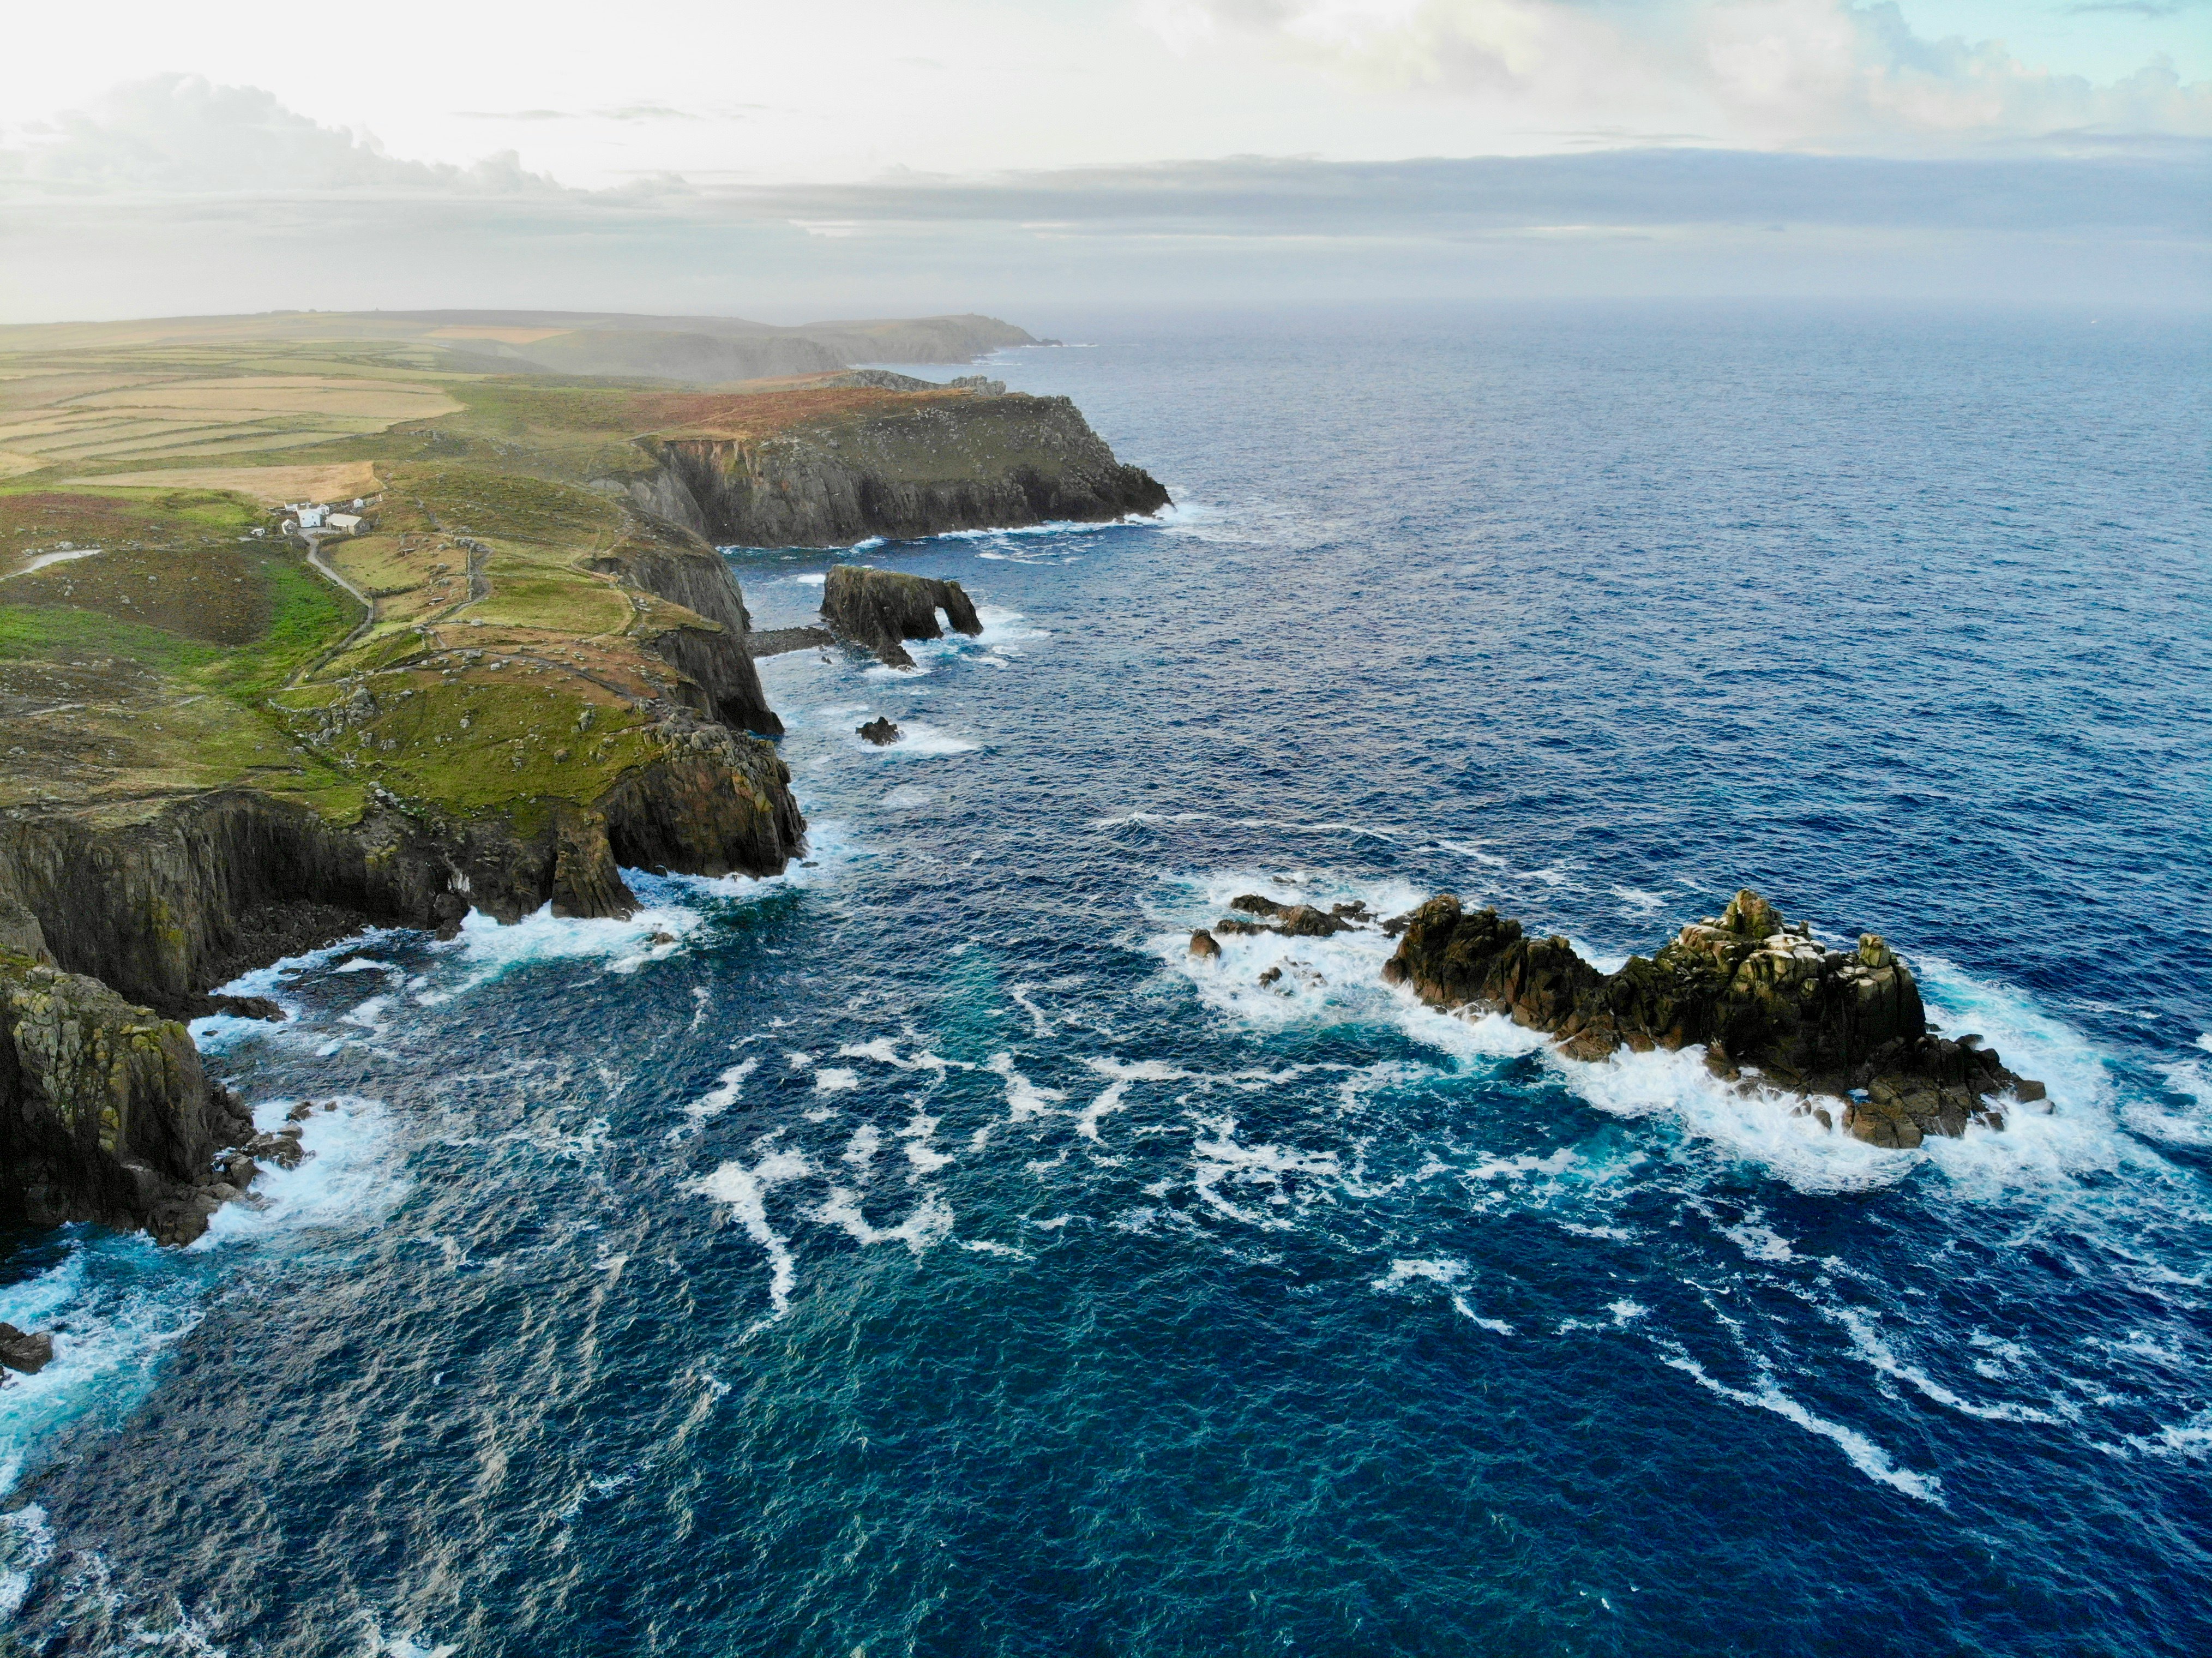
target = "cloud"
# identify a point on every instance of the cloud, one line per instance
(236, 204)
(626, 112)
(1766, 72)
(2136, 7)
(180, 134)
(2163, 188)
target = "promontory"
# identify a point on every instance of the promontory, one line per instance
(311, 622)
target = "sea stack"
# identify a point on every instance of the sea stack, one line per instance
(879, 609)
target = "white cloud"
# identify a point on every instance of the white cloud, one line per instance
(1761, 72)
(179, 134)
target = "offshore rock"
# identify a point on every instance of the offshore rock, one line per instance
(1299, 920)
(1763, 998)
(878, 609)
(776, 641)
(879, 731)
(1203, 945)
(105, 1112)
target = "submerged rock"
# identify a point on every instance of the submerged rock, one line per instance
(1298, 921)
(1767, 1002)
(248, 1007)
(879, 609)
(880, 731)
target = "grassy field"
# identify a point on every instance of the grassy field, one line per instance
(159, 636)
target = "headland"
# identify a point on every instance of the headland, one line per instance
(313, 623)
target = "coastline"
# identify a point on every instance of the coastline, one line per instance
(553, 681)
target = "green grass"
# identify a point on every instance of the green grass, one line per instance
(520, 743)
(29, 631)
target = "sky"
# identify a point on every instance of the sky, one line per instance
(790, 161)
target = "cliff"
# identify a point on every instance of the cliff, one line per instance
(659, 559)
(525, 670)
(105, 1112)
(830, 468)
(880, 609)
(1766, 1000)
(164, 909)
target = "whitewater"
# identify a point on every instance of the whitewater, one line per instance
(920, 1251)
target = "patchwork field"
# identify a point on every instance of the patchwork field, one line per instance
(159, 635)
(271, 486)
(75, 418)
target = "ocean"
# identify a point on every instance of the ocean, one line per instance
(920, 1252)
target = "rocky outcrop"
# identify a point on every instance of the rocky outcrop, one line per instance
(776, 641)
(662, 559)
(163, 910)
(105, 1112)
(973, 462)
(880, 731)
(25, 1350)
(1766, 1001)
(879, 609)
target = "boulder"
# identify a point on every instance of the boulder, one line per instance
(1204, 946)
(248, 1007)
(880, 731)
(24, 1351)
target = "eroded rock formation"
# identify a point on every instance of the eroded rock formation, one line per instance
(1767, 1002)
(105, 1112)
(165, 910)
(972, 462)
(110, 936)
(879, 609)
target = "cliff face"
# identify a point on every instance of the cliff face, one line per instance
(164, 910)
(879, 609)
(105, 1112)
(1758, 993)
(694, 576)
(940, 463)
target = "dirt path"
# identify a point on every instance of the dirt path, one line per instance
(323, 567)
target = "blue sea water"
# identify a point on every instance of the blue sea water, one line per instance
(920, 1253)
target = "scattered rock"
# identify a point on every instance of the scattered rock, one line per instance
(880, 731)
(282, 1148)
(1272, 976)
(248, 1007)
(1768, 1004)
(1204, 946)
(1296, 921)
(21, 1349)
